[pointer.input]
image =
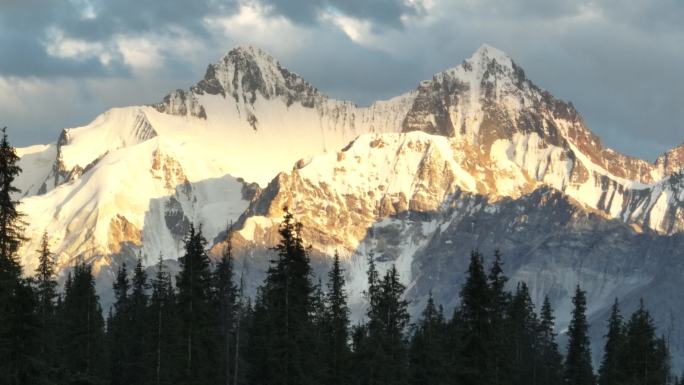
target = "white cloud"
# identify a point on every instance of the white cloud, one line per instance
(58, 45)
(87, 9)
(359, 31)
(252, 24)
(140, 53)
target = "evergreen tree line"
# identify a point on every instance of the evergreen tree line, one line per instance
(200, 328)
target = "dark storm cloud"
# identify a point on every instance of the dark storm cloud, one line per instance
(383, 12)
(22, 30)
(618, 62)
(139, 16)
(25, 27)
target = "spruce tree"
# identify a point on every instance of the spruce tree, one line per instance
(243, 321)
(196, 313)
(83, 337)
(46, 295)
(319, 332)
(428, 361)
(472, 320)
(359, 354)
(162, 334)
(19, 334)
(550, 359)
(578, 368)
(337, 354)
(136, 325)
(118, 327)
(499, 340)
(362, 347)
(282, 313)
(11, 223)
(524, 338)
(610, 372)
(646, 359)
(262, 336)
(225, 296)
(386, 332)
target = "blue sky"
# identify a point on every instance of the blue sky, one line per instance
(63, 62)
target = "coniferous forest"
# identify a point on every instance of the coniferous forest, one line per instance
(199, 327)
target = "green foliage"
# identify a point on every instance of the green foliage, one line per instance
(524, 328)
(118, 326)
(472, 321)
(428, 357)
(645, 357)
(196, 313)
(282, 313)
(206, 331)
(82, 335)
(225, 294)
(336, 353)
(162, 333)
(20, 333)
(610, 372)
(384, 345)
(45, 287)
(550, 359)
(578, 368)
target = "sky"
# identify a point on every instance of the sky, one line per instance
(63, 62)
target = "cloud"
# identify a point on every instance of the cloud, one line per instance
(252, 23)
(380, 12)
(57, 45)
(618, 62)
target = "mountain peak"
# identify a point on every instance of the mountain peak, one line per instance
(487, 53)
(250, 53)
(671, 161)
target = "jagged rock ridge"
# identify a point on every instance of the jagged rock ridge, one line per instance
(477, 143)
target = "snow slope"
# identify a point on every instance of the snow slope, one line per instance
(139, 175)
(410, 177)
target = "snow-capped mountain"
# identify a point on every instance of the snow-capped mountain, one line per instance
(476, 157)
(138, 176)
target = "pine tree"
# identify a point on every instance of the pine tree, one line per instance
(243, 321)
(337, 354)
(46, 295)
(646, 359)
(19, 326)
(578, 368)
(362, 347)
(386, 332)
(83, 337)
(118, 327)
(499, 340)
(162, 336)
(282, 313)
(472, 321)
(373, 292)
(428, 361)
(610, 372)
(663, 374)
(524, 329)
(225, 295)
(261, 337)
(136, 325)
(319, 331)
(11, 223)
(550, 359)
(359, 354)
(196, 313)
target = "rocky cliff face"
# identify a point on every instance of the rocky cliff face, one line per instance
(672, 161)
(405, 198)
(476, 157)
